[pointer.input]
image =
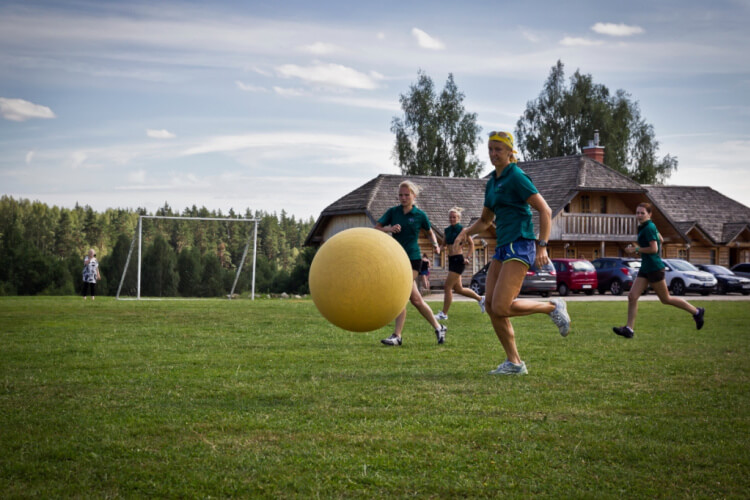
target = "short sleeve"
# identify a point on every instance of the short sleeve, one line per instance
(524, 187)
(386, 218)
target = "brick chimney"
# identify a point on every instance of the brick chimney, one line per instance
(594, 150)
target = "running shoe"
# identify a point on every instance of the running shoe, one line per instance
(392, 340)
(508, 368)
(441, 316)
(440, 334)
(560, 316)
(481, 304)
(698, 318)
(624, 331)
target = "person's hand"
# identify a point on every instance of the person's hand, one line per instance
(541, 258)
(630, 248)
(396, 228)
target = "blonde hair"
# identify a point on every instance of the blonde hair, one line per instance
(412, 187)
(457, 211)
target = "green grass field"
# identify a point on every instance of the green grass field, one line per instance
(217, 398)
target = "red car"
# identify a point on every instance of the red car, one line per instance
(575, 275)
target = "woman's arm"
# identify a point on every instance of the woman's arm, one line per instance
(433, 239)
(481, 224)
(545, 226)
(388, 229)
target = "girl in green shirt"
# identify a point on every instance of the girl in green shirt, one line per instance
(651, 273)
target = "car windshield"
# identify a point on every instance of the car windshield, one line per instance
(582, 265)
(682, 265)
(718, 270)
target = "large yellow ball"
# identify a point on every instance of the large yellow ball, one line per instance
(360, 279)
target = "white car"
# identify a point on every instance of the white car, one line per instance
(684, 277)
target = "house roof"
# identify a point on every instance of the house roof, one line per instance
(559, 179)
(719, 217)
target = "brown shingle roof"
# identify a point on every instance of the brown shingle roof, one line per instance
(717, 215)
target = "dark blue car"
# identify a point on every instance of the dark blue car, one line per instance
(616, 274)
(727, 281)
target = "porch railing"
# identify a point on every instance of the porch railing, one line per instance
(580, 227)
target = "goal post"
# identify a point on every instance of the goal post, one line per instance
(139, 238)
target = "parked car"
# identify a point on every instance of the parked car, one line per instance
(575, 275)
(615, 274)
(727, 281)
(542, 282)
(742, 269)
(684, 277)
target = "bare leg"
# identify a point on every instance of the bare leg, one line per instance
(450, 282)
(504, 281)
(416, 299)
(660, 287)
(639, 286)
(466, 292)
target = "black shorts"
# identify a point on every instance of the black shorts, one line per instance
(416, 265)
(653, 276)
(456, 264)
(89, 289)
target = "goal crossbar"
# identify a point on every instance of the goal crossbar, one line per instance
(139, 237)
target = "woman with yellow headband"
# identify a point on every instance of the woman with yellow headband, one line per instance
(508, 198)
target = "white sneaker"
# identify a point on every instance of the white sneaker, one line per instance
(560, 316)
(508, 368)
(392, 340)
(481, 304)
(440, 334)
(441, 316)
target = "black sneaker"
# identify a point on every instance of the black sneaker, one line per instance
(440, 334)
(392, 340)
(698, 318)
(624, 331)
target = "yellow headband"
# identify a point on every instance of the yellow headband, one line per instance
(506, 138)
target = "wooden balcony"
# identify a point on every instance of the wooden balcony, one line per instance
(593, 227)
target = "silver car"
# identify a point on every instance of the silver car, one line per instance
(683, 277)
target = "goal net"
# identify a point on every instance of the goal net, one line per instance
(180, 235)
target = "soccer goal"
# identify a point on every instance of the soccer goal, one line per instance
(138, 237)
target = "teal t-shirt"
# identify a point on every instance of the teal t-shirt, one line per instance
(506, 196)
(452, 232)
(650, 262)
(411, 223)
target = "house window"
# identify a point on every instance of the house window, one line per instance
(585, 204)
(682, 254)
(603, 205)
(712, 256)
(567, 208)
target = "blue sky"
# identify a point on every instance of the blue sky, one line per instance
(288, 105)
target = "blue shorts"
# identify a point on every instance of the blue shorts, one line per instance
(521, 249)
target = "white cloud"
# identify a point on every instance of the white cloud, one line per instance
(77, 159)
(287, 92)
(384, 104)
(160, 134)
(571, 41)
(426, 41)
(612, 29)
(334, 75)
(249, 88)
(137, 177)
(530, 36)
(321, 48)
(29, 157)
(19, 110)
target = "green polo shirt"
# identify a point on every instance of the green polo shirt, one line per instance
(650, 262)
(411, 223)
(506, 196)
(452, 232)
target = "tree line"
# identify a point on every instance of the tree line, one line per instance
(42, 249)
